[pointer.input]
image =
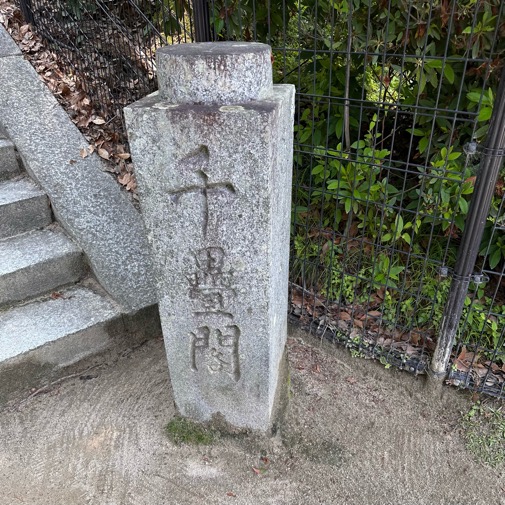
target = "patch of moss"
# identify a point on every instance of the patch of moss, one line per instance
(484, 433)
(184, 431)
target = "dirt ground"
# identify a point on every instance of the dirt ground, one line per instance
(354, 433)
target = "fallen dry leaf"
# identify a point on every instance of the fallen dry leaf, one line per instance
(296, 298)
(103, 153)
(64, 89)
(358, 323)
(344, 316)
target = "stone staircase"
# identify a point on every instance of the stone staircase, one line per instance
(52, 313)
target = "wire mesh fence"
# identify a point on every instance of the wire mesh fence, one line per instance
(111, 45)
(394, 101)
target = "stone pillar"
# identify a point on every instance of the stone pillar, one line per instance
(213, 158)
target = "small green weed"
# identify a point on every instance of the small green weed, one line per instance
(383, 361)
(184, 431)
(484, 433)
(409, 292)
(357, 354)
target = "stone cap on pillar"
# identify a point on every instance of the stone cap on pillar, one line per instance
(220, 73)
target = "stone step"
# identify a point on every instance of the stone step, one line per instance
(9, 166)
(37, 262)
(55, 331)
(23, 207)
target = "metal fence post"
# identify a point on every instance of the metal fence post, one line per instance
(202, 21)
(491, 161)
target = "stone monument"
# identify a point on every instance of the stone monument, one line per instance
(213, 158)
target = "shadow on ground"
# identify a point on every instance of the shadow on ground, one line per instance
(354, 433)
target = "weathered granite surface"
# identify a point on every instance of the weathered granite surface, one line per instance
(85, 199)
(78, 310)
(215, 186)
(36, 262)
(7, 46)
(219, 73)
(8, 163)
(23, 207)
(218, 218)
